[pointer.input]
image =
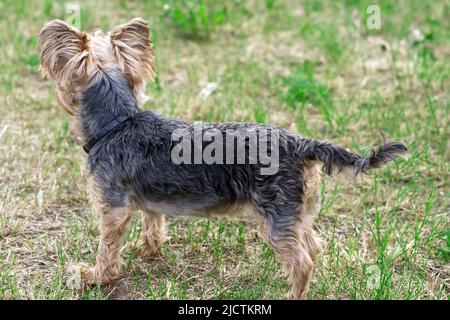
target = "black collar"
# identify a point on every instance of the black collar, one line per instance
(104, 131)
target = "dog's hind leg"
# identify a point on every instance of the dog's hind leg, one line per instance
(278, 202)
(153, 234)
(292, 250)
(287, 225)
(309, 208)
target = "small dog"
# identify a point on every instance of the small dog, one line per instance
(101, 79)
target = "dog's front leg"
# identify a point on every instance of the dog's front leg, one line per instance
(153, 234)
(113, 224)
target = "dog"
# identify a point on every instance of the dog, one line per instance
(101, 80)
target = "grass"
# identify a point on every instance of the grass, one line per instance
(312, 67)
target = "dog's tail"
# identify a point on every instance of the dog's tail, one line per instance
(336, 159)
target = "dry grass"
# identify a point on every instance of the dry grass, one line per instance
(392, 226)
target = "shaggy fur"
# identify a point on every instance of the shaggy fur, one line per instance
(100, 78)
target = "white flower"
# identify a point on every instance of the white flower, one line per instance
(417, 35)
(207, 90)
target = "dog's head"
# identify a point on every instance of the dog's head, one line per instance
(74, 58)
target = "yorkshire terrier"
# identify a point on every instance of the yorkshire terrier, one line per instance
(132, 164)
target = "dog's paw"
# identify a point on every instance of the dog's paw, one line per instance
(148, 250)
(80, 275)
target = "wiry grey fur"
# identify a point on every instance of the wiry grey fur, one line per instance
(132, 163)
(102, 77)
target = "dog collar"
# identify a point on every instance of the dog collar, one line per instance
(104, 131)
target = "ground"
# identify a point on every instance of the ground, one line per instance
(313, 67)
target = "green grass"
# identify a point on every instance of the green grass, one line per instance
(312, 67)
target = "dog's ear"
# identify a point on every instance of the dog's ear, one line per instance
(62, 50)
(133, 49)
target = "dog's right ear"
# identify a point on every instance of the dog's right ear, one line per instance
(63, 53)
(133, 48)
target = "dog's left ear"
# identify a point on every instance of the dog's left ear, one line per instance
(133, 49)
(63, 51)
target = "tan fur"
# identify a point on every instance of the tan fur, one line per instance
(113, 225)
(133, 50)
(153, 234)
(311, 200)
(293, 253)
(73, 58)
(297, 252)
